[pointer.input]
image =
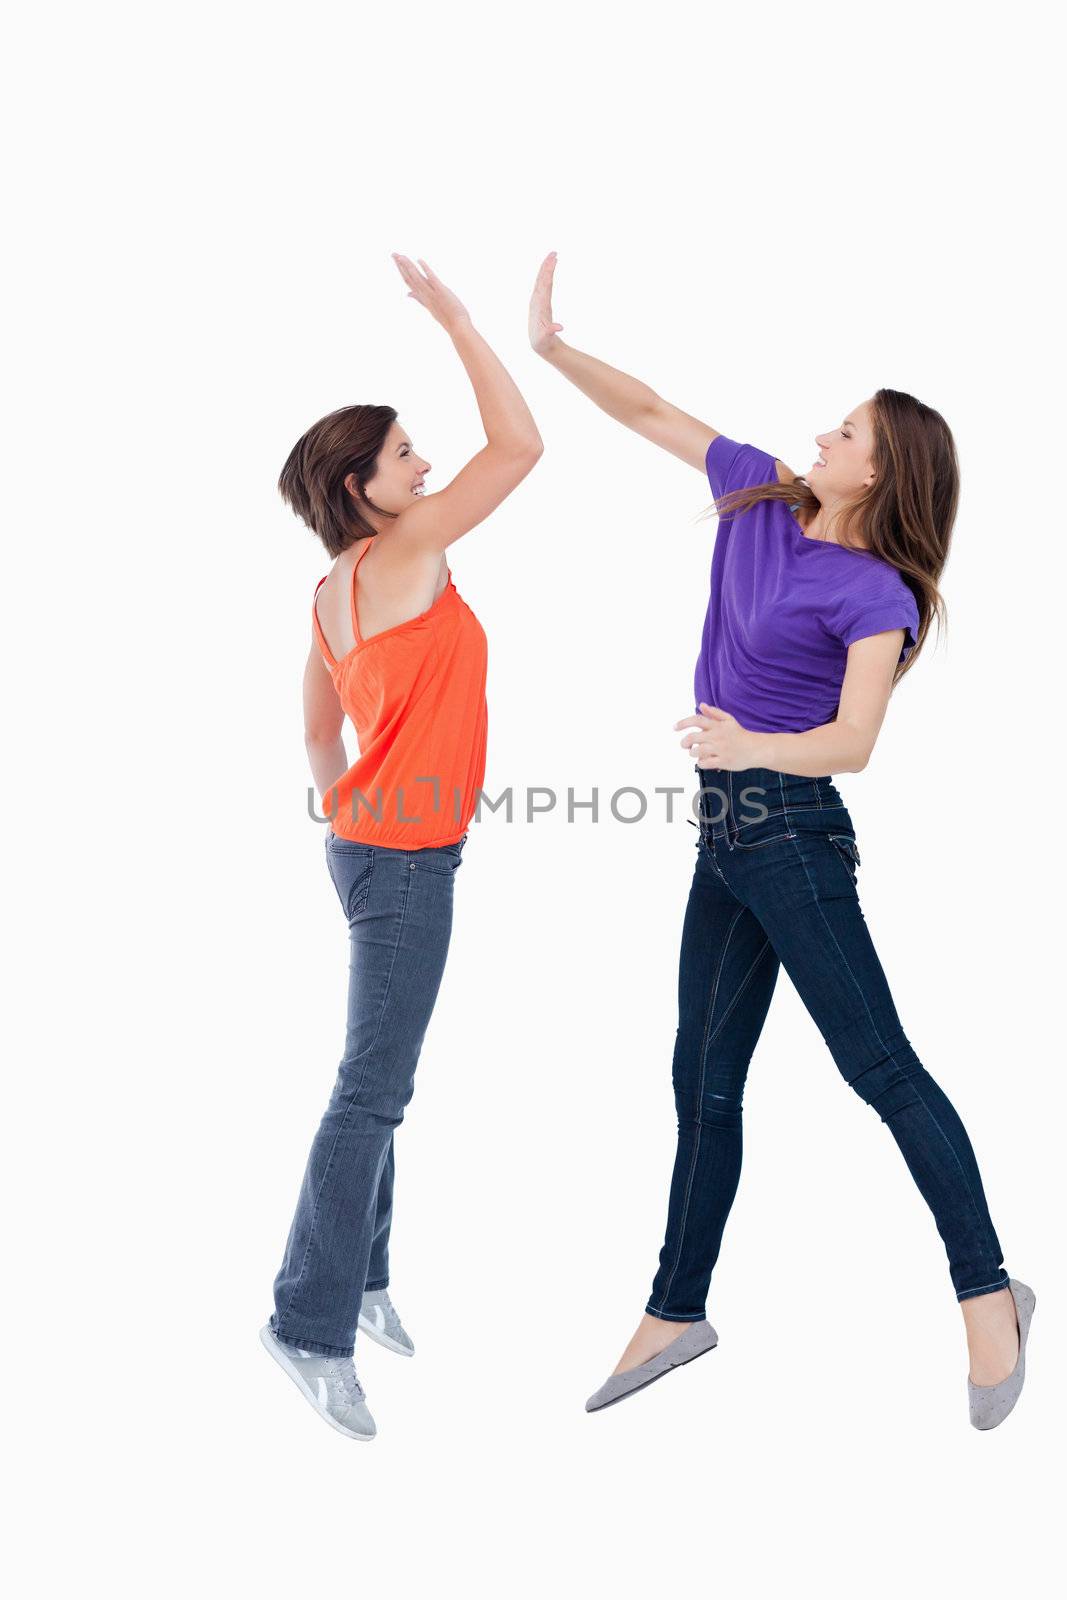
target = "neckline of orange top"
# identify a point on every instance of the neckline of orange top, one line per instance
(361, 643)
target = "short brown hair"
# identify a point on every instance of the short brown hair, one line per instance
(312, 482)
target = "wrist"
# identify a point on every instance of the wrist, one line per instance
(760, 749)
(554, 347)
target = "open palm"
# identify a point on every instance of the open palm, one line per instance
(427, 288)
(542, 329)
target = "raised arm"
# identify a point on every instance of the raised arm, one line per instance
(627, 399)
(513, 443)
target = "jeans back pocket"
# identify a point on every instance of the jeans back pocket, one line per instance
(350, 867)
(848, 850)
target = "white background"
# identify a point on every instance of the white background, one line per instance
(766, 217)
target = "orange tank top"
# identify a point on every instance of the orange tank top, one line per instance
(416, 696)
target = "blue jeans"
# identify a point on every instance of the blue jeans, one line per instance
(399, 909)
(775, 885)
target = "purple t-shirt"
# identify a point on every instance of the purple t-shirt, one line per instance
(785, 608)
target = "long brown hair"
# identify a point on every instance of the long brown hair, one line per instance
(908, 512)
(312, 482)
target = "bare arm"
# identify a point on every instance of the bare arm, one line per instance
(323, 721)
(513, 443)
(627, 399)
(844, 745)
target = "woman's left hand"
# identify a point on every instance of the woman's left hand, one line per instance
(543, 327)
(426, 287)
(719, 741)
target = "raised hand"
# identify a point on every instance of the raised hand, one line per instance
(427, 288)
(542, 329)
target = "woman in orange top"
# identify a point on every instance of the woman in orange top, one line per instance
(397, 649)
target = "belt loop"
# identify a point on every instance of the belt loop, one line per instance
(785, 807)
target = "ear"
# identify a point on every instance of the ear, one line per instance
(352, 485)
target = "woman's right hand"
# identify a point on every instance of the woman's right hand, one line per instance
(445, 307)
(542, 329)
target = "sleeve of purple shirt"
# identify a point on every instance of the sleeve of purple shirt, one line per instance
(881, 602)
(731, 465)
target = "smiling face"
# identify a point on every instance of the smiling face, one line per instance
(398, 475)
(844, 466)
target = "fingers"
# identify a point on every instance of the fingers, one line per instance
(543, 284)
(702, 745)
(404, 263)
(409, 272)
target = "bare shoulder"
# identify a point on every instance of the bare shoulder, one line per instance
(397, 571)
(395, 553)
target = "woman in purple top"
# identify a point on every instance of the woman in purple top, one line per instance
(822, 593)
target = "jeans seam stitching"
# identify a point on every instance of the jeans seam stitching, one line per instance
(955, 1157)
(1001, 1283)
(742, 986)
(700, 1098)
(351, 1102)
(881, 1041)
(841, 953)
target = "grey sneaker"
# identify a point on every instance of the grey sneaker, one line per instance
(378, 1318)
(697, 1338)
(329, 1382)
(991, 1402)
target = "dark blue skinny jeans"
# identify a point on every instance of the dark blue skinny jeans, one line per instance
(775, 885)
(399, 909)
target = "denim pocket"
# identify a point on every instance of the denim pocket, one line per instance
(847, 849)
(350, 866)
(439, 858)
(766, 830)
(337, 841)
(443, 858)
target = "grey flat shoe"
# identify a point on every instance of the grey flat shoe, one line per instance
(991, 1402)
(697, 1338)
